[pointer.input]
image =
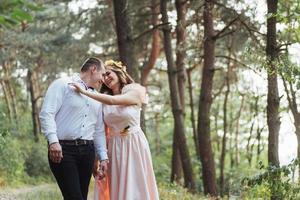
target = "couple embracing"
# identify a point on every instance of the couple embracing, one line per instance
(91, 132)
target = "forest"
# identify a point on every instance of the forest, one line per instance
(222, 78)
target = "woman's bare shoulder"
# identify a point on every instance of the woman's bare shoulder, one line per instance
(133, 86)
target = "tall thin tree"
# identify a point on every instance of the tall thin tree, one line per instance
(273, 120)
(175, 102)
(125, 37)
(206, 154)
(181, 8)
(273, 97)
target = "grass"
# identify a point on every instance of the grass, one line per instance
(174, 192)
(51, 191)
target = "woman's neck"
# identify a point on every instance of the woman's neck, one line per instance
(116, 90)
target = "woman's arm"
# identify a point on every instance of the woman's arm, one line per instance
(131, 97)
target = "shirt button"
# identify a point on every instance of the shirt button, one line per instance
(85, 115)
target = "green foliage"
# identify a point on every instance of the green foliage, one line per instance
(36, 161)
(11, 159)
(273, 181)
(13, 12)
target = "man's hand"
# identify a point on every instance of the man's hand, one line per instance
(55, 152)
(103, 168)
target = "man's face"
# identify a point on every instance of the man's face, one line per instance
(97, 77)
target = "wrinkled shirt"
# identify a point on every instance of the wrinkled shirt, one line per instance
(68, 115)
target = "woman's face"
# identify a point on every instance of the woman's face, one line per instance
(111, 79)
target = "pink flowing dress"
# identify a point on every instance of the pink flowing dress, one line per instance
(130, 174)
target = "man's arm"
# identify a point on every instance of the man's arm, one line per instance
(100, 138)
(51, 105)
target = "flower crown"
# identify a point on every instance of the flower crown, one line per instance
(116, 64)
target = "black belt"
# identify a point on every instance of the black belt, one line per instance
(76, 142)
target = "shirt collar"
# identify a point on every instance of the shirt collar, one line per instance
(76, 78)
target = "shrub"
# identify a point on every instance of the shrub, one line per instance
(11, 159)
(36, 161)
(273, 181)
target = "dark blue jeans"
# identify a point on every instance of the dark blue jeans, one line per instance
(74, 172)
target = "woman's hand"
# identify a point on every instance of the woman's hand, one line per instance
(96, 167)
(77, 87)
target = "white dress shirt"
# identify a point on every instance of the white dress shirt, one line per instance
(68, 115)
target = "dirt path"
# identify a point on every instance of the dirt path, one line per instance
(34, 192)
(13, 193)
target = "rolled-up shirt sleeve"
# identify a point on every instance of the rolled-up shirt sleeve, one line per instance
(100, 138)
(51, 105)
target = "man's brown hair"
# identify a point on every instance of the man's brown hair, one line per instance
(92, 61)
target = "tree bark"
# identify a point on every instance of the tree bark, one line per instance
(224, 139)
(175, 102)
(292, 100)
(125, 37)
(10, 90)
(34, 110)
(258, 138)
(248, 147)
(273, 120)
(192, 118)
(181, 8)
(180, 56)
(206, 154)
(273, 97)
(7, 101)
(155, 50)
(157, 136)
(237, 132)
(176, 168)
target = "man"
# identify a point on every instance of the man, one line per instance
(73, 126)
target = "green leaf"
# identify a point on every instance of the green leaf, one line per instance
(34, 7)
(2, 19)
(21, 15)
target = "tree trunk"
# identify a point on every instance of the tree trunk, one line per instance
(193, 120)
(176, 169)
(125, 37)
(231, 138)
(176, 108)
(206, 154)
(157, 136)
(237, 132)
(224, 139)
(7, 101)
(273, 97)
(180, 56)
(292, 100)
(10, 90)
(248, 147)
(181, 8)
(298, 147)
(155, 51)
(34, 110)
(258, 138)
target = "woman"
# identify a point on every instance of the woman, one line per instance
(130, 172)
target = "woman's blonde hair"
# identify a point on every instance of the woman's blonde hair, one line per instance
(120, 70)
